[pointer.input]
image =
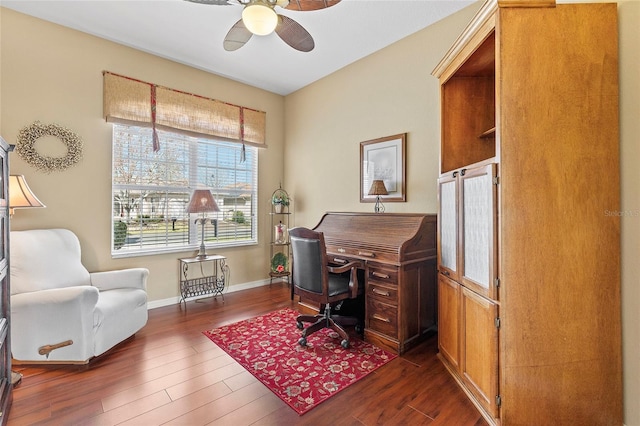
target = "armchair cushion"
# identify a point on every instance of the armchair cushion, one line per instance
(119, 312)
(55, 300)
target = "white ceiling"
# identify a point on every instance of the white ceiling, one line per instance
(192, 34)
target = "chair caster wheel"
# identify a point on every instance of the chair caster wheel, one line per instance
(345, 344)
(299, 325)
(359, 328)
(302, 341)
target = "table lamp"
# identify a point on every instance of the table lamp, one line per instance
(20, 195)
(378, 189)
(202, 202)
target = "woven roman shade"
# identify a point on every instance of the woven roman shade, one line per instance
(131, 101)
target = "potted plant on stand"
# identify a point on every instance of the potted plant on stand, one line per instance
(279, 264)
(280, 200)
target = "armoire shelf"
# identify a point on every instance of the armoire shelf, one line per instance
(469, 95)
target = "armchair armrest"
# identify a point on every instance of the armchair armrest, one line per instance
(353, 280)
(123, 278)
(49, 317)
(338, 269)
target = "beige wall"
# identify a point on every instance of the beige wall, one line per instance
(384, 94)
(629, 17)
(391, 92)
(54, 75)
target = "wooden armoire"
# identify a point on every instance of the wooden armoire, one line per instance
(529, 318)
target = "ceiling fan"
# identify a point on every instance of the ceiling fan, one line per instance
(259, 17)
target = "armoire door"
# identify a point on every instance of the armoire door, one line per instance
(478, 229)
(448, 223)
(449, 302)
(479, 351)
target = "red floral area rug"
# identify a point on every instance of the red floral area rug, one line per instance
(303, 377)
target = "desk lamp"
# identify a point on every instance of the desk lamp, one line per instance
(378, 189)
(202, 202)
(20, 195)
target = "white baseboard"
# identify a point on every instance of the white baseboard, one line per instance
(232, 288)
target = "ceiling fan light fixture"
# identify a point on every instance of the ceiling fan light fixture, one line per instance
(259, 18)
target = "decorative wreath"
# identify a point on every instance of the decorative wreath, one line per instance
(25, 147)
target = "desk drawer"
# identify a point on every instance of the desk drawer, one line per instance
(382, 317)
(386, 275)
(362, 253)
(384, 293)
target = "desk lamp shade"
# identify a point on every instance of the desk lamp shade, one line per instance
(20, 195)
(202, 202)
(378, 189)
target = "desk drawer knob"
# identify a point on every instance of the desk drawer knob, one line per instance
(381, 318)
(366, 253)
(380, 292)
(380, 275)
(341, 261)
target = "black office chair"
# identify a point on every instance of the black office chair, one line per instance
(315, 279)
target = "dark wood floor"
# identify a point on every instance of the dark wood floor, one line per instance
(170, 373)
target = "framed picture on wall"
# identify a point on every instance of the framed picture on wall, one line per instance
(383, 159)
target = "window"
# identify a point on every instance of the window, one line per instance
(151, 190)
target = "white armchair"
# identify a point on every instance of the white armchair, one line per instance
(60, 312)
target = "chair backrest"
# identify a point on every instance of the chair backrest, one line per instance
(309, 260)
(42, 259)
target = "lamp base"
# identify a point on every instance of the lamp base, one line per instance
(202, 253)
(379, 207)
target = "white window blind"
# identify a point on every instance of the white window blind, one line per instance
(151, 190)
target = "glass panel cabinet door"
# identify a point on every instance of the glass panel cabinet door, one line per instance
(448, 226)
(479, 260)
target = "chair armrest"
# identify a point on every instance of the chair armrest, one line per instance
(353, 279)
(52, 316)
(45, 299)
(338, 269)
(123, 278)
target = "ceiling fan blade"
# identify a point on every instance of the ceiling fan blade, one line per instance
(237, 36)
(212, 2)
(294, 34)
(306, 5)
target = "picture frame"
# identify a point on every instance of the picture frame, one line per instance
(384, 159)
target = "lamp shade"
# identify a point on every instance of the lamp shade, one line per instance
(378, 188)
(20, 195)
(259, 17)
(202, 201)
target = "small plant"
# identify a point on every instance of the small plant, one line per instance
(279, 263)
(280, 197)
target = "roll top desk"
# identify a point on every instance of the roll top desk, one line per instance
(398, 254)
